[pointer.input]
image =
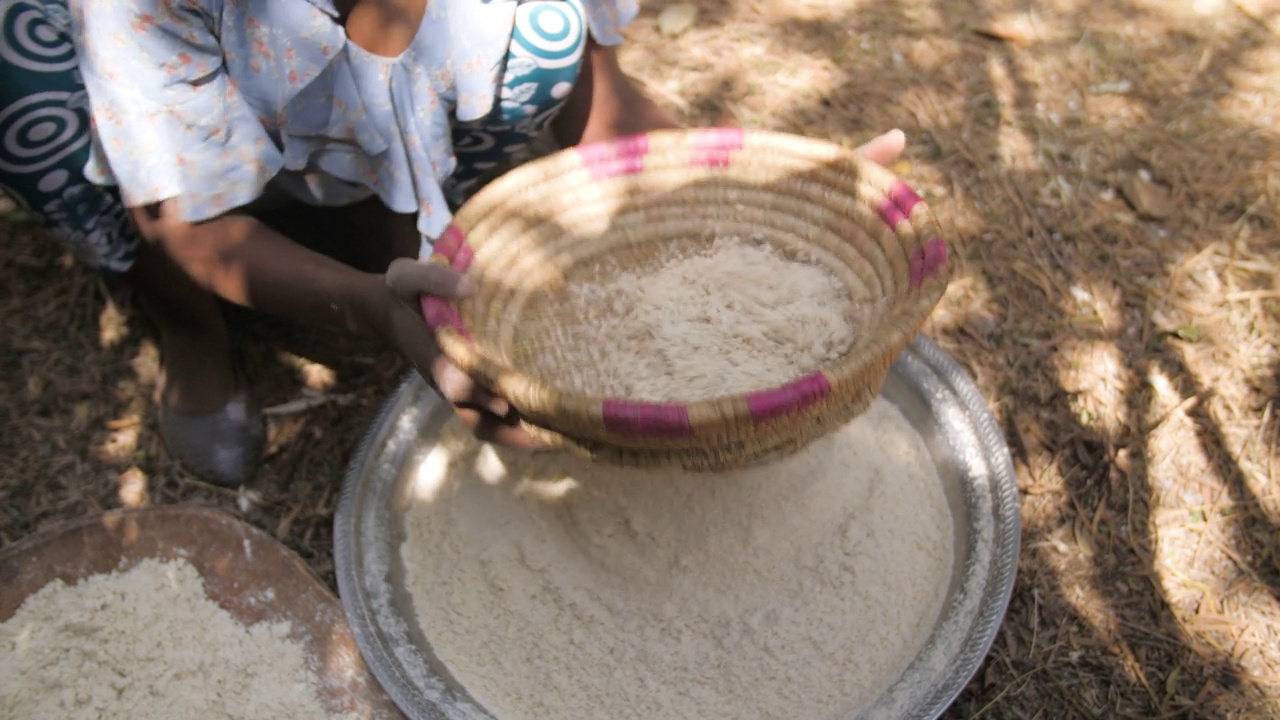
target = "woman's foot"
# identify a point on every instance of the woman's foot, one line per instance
(198, 374)
(222, 447)
(208, 420)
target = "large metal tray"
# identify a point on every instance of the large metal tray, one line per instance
(926, 384)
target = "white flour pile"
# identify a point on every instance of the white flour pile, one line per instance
(733, 317)
(147, 644)
(555, 589)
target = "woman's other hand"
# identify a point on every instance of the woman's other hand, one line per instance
(884, 149)
(490, 417)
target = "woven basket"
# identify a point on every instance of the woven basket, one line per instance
(522, 235)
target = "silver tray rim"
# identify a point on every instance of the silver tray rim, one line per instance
(924, 365)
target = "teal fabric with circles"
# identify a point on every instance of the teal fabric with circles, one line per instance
(542, 65)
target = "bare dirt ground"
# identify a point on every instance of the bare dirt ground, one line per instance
(1110, 173)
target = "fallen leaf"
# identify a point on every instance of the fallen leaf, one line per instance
(1084, 539)
(35, 386)
(1124, 87)
(1019, 29)
(282, 431)
(80, 415)
(1124, 218)
(113, 325)
(120, 444)
(677, 19)
(318, 377)
(1189, 333)
(133, 488)
(146, 364)
(1151, 199)
(314, 375)
(247, 499)
(1171, 682)
(122, 423)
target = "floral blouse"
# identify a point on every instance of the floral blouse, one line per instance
(203, 102)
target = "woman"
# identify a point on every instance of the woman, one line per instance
(293, 156)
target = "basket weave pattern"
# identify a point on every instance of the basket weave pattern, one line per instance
(524, 236)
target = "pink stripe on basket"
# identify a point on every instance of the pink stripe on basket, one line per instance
(899, 204)
(769, 404)
(891, 213)
(926, 261)
(646, 419)
(440, 314)
(623, 156)
(714, 147)
(904, 197)
(463, 259)
(450, 240)
(935, 254)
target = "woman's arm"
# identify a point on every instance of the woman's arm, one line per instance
(242, 261)
(606, 103)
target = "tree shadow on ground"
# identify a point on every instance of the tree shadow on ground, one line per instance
(1079, 315)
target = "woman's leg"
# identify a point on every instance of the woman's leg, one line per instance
(199, 376)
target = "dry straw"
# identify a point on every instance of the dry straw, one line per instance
(522, 237)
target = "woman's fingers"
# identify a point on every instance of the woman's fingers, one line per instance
(489, 417)
(460, 389)
(885, 149)
(487, 427)
(411, 279)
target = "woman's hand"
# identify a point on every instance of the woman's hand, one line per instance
(884, 149)
(490, 417)
(243, 261)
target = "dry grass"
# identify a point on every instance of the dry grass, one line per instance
(1110, 169)
(77, 430)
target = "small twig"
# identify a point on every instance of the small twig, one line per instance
(1257, 19)
(1182, 407)
(286, 522)
(1153, 635)
(1208, 525)
(1007, 689)
(303, 404)
(1035, 618)
(1245, 568)
(1253, 295)
(1271, 450)
(102, 288)
(1165, 716)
